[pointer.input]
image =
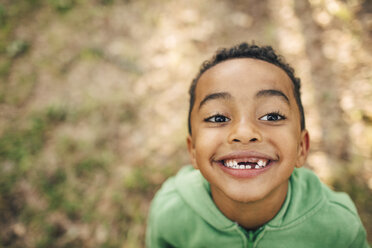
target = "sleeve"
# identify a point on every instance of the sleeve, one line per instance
(165, 224)
(153, 236)
(360, 241)
(159, 221)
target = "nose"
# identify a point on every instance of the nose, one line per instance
(244, 132)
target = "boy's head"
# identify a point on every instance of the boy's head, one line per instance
(247, 130)
(245, 50)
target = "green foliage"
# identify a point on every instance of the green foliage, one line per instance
(4, 70)
(53, 187)
(344, 14)
(86, 167)
(17, 48)
(2, 16)
(56, 114)
(62, 6)
(52, 232)
(17, 145)
(12, 13)
(137, 180)
(91, 53)
(20, 90)
(109, 244)
(106, 2)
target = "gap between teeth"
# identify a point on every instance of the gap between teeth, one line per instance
(234, 164)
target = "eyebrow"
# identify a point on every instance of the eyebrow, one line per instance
(272, 92)
(227, 96)
(219, 95)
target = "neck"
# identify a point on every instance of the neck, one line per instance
(254, 214)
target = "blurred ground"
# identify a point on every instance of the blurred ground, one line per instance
(93, 104)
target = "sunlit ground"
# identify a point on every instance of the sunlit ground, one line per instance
(93, 104)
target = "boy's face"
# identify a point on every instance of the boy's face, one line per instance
(245, 115)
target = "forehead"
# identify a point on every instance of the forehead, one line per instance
(243, 76)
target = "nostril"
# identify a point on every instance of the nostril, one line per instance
(251, 140)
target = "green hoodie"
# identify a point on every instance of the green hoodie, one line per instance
(183, 214)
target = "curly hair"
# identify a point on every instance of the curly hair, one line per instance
(245, 50)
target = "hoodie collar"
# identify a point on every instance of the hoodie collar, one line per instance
(300, 200)
(195, 191)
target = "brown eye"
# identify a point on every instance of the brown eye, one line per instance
(273, 117)
(217, 118)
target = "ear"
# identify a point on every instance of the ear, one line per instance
(191, 149)
(303, 150)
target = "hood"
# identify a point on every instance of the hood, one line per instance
(300, 200)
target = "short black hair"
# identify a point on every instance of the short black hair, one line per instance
(245, 50)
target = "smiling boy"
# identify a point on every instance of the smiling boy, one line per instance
(247, 141)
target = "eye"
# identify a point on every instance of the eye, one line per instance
(273, 117)
(217, 118)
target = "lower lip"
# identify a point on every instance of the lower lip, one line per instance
(245, 173)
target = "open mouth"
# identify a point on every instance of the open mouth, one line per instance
(244, 164)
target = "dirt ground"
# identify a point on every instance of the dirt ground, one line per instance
(93, 104)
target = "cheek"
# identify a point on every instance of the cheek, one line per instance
(286, 141)
(208, 140)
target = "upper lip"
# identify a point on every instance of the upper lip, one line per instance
(245, 154)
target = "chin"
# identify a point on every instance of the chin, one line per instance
(245, 196)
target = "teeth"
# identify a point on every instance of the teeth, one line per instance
(231, 163)
(261, 163)
(234, 164)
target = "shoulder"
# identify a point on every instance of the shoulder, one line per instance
(343, 213)
(339, 203)
(308, 184)
(334, 215)
(168, 203)
(169, 215)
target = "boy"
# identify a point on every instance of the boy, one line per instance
(247, 141)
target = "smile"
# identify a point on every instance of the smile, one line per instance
(246, 163)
